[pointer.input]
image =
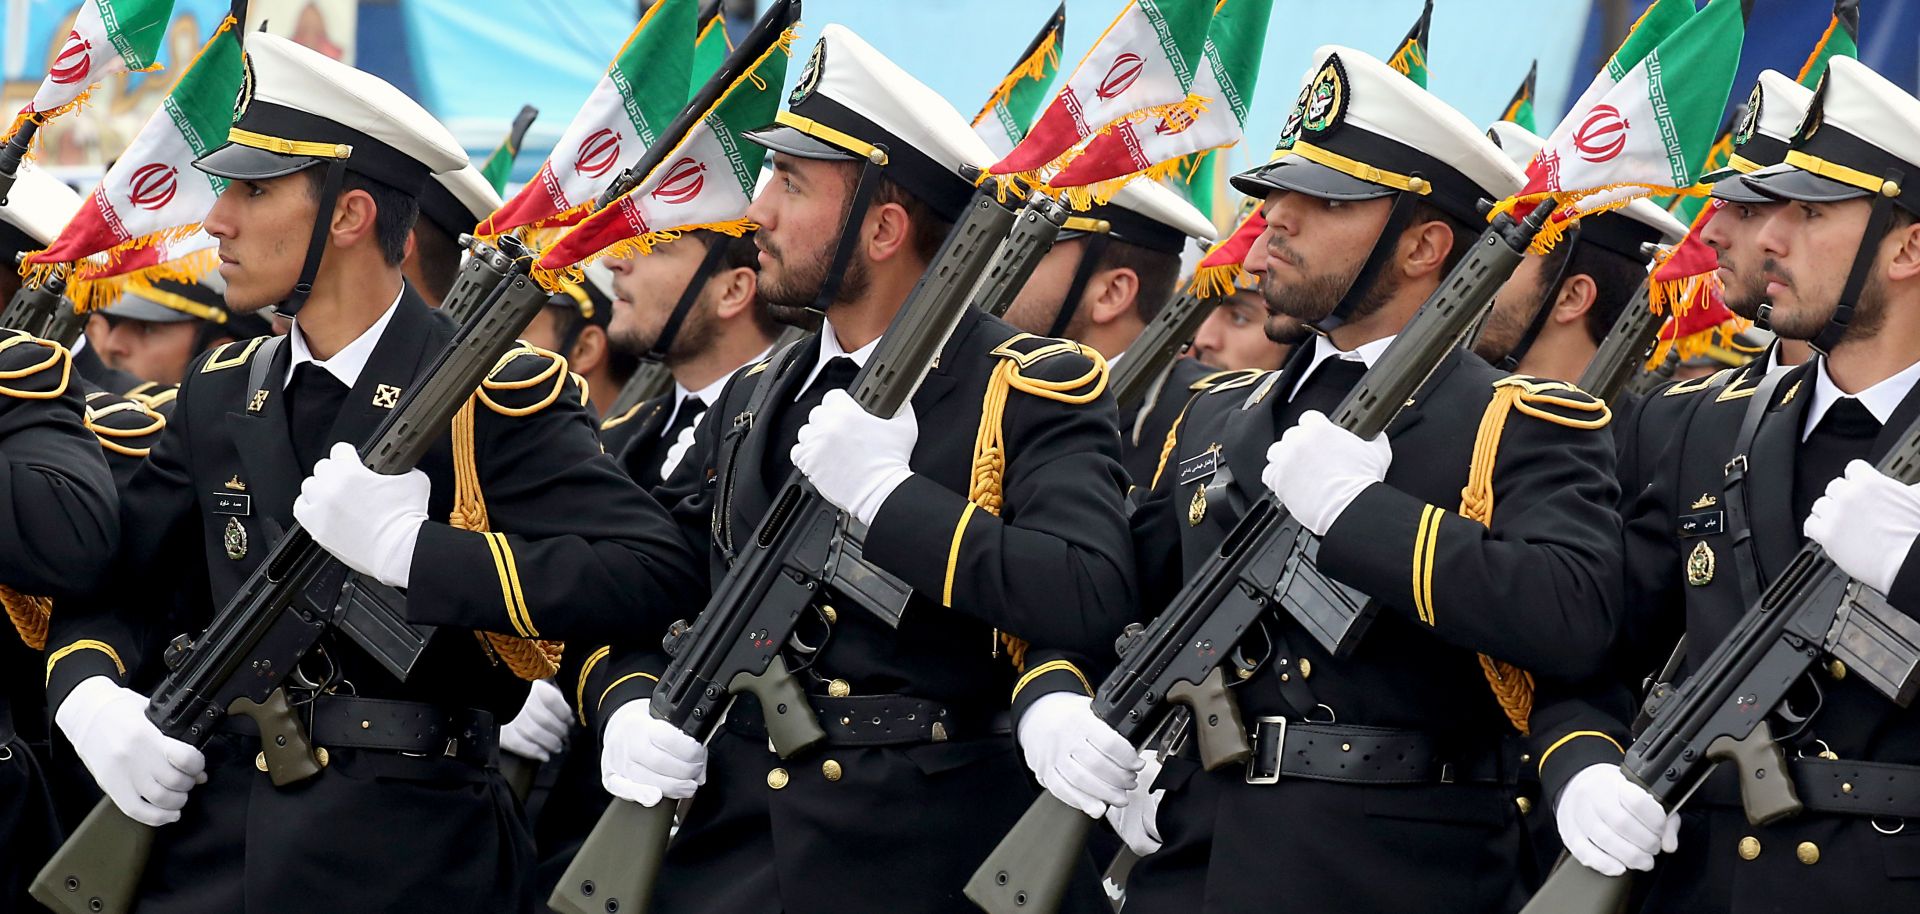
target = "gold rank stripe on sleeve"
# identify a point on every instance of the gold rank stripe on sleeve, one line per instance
(1570, 738)
(617, 683)
(1424, 541)
(953, 553)
(1049, 667)
(85, 645)
(580, 688)
(510, 594)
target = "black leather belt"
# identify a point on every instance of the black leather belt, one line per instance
(350, 722)
(1854, 788)
(1358, 755)
(880, 720)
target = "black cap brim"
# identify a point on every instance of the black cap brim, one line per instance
(245, 163)
(133, 307)
(788, 141)
(1785, 182)
(1735, 189)
(1311, 178)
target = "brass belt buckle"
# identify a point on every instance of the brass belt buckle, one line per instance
(1260, 730)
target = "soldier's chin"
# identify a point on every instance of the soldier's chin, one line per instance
(242, 298)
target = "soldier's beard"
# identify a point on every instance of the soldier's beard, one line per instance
(1504, 328)
(795, 288)
(1869, 316)
(695, 335)
(1746, 293)
(1314, 298)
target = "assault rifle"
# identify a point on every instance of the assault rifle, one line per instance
(1721, 713)
(734, 645)
(1268, 560)
(36, 308)
(1149, 360)
(239, 664)
(1627, 345)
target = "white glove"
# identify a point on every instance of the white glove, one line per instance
(855, 459)
(644, 758)
(1075, 755)
(1317, 469)
(677, 450)
(1867, 523)
(539, 731)
(1137, 821)
(367, 520)
(146, 773)
(1611, 824)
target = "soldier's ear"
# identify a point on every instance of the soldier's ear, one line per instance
(888, 232)
(353, 219)
(1903, 249)
(737, 289)
(1115, 294)
(1431, 242)
(1575, 299)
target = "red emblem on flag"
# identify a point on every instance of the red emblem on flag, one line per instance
(153, 186)
(1175, 122)
(683, 182)
(74, 63)
(1602, 135)
(598, 153)
(1120, 76)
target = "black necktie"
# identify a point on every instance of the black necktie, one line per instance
(1323, 390)
(835, 375)
(690, 412)
(313, 402)
(1845, 433)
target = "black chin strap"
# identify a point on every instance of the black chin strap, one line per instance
(1377, 259)
(1511, 361)
(317, 242)
(849, 229)
(1877, 225)
(1083, 274)
(688, 297)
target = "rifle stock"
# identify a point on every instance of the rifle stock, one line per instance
(237, 665)
(734, 645)
(1268, 560)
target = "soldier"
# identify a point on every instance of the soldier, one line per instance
(697, 308)
(542, 538)
(60, 527)
(1380, 781)
(1111, 270)
(1234, 335)
(575, 324)
(452, 204)
(1551, 315)
(1015, 553)
(1839, 266)
(157, 328)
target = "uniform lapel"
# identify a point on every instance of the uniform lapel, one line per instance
(751, 491)
(1776, 532)
(410, 340)
(265, 444)
(1252, 428)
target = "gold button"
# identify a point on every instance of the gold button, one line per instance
(260, 761)
(1846, 788)
(1525, 804)
(1749, 847)
(366, 724)
(320, 755)
(1524, 758)
(1346, 747)
(1836, 669)
(777, 778)
(1285, 677)
(831, 769)
(838, 688)
(832, 615)
(1306, 668)
(1807, 853)
(1890, 188)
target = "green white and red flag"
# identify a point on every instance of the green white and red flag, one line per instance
(1002, 121)
(153, 195)
(707, 177)
(104, 31)
(1140, 69)
(1686, 287)
(644, 87)
(710, 44)
(1173, 144)
(1649, 132)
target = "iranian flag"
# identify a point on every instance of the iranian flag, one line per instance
(1140, 69)
(707, 175)
(643, 89)
(1175, 142)
(1002, 121)
(99, 281)
(499, 165)
(1220, 270)
(153, 194)
(1650, 131)
(104, 31)
(1519, 109)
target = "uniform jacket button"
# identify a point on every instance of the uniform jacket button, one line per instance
(777, 778)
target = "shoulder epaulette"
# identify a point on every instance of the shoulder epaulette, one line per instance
(32, 368)
(154, 394)
(758, 367)
(1557, 402)
(1054, 368)
(1243, 378)
(622, 419)
(1229, 376)
(231, 354)
(124, 425)
(1698, 384)
(525, 381)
